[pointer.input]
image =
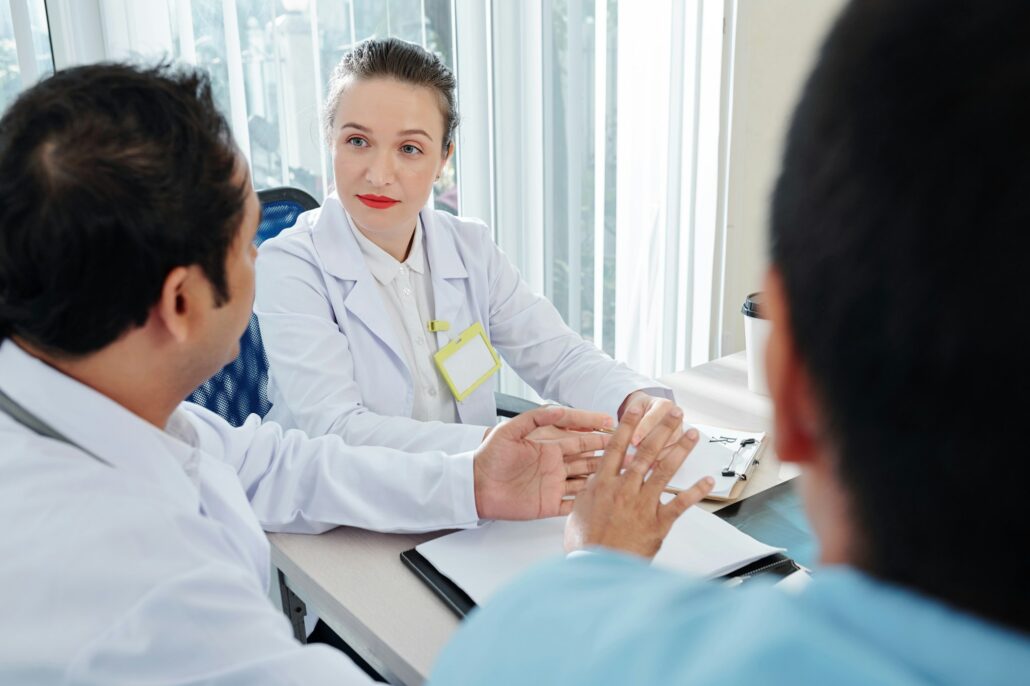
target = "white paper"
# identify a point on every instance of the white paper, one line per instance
(469, 363)
(795, 583)
(481, 561)
(709, 458)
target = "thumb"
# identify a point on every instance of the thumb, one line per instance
(524, 424)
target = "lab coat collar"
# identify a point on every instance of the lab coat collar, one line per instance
(341, 258)
(94, 422)
(444, 258)
(338, 249)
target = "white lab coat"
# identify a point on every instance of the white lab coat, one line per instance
(155, 569)
(335, 362)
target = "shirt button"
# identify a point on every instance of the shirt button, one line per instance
(407, 291)
(420, 341)
(432, 392)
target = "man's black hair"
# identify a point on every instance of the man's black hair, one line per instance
(900, 225)
(110, 177)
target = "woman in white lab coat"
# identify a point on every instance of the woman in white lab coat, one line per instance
(359, 296)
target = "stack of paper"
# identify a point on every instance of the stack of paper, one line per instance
(716, 449)
(481, 561)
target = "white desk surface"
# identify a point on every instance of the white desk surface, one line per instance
(356, 582)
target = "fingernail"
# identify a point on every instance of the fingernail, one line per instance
(636, 439)
(676, 412)
(709, 482)
(633, 410)
(692, 434)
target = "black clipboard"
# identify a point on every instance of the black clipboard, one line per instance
(446, 590)
(776, 564)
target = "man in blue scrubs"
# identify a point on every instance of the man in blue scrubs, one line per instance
(900, 229)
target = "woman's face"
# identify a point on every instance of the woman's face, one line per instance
(387, 151)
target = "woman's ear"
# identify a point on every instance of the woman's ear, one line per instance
(445, 160)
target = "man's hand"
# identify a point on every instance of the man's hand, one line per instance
(623, 511)
(517, 477)
(652, 410)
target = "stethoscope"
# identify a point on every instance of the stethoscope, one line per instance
(33, 423)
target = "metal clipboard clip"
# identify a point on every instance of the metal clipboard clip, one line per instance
(728, 469)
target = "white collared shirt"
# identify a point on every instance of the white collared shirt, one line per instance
(152, 566)
(407, 291)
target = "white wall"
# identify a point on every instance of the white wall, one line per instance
(774, 47)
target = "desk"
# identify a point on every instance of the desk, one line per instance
(355, 581)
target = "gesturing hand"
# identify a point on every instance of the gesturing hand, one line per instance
(517, 477)
(623, 511)
(652, 409)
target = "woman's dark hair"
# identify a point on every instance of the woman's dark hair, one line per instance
(395, 59)
(110, 177)
(901, 228)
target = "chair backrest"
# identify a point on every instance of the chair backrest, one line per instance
(240, 389)
(280, 208)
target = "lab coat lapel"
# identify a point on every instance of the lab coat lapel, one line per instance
(449, 276)
(451, 299)
(341, 258)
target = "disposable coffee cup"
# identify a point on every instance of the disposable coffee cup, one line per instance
(756, 335)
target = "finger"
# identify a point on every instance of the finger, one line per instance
(522, 425)
(669, 462)
(671, 511)
(676, 435)
(616, 451)
(655, 414)
(582, 467)
(574, 486)
(565, 508)
(579, 456)
(653, 444)
(582, 443)
(583, 420)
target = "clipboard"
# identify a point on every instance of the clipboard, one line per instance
(742, 515)
(729, 456)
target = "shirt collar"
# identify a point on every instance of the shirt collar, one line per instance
(92, 421)
(381, 264)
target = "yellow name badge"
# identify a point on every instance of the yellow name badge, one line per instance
(467, 361)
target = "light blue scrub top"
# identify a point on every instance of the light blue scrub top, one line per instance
(611, 619)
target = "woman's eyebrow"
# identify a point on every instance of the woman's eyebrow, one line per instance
(359, 127)
(408, 132)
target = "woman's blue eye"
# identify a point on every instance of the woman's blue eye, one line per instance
(410, 149)
(357, 142)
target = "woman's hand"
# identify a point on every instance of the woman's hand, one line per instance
(652, 411)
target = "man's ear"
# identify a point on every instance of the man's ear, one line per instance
(177, 308)
(798, 423)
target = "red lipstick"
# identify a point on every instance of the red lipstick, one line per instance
(378, 202)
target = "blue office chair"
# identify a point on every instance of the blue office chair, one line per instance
(240, 389)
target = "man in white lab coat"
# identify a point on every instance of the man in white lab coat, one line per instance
(132, 540)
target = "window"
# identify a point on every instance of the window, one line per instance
(270, 61)
(24, 47)
(590, 139)
(606, 143)
(579, 99)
